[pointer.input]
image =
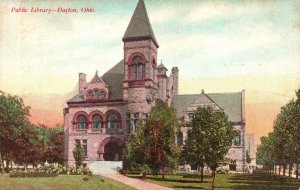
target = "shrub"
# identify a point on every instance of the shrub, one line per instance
(59, 169)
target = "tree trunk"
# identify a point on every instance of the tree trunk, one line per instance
(275, 169)
(284, 168)
(213, 180)
(279, 169)
(290, 169)
(201, 176)
(1, 163)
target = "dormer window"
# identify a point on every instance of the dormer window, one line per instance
(102, 94)
(90, 94)
(96, 94)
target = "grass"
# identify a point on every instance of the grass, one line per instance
(257, 181)
(61, 182)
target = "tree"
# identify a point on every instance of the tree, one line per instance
(153, 145)
(159, 134)
(211, 137)
(134, 157)
(78, 155)
(248, 158)
(13, 121)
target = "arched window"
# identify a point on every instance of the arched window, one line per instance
(102, 94)
(96, 94)
(112, 121)
(97, 122)
(137, 68)
(237, 139)
(90, 94)
(81, 122)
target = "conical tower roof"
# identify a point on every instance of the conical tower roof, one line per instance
(139, 26)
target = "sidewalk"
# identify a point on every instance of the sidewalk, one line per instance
(135, 183)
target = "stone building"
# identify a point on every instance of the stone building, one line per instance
(107, 109)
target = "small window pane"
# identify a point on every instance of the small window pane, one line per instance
(137, 59)
(133, 72)
(141, 71)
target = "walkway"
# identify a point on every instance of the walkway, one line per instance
(135, 183)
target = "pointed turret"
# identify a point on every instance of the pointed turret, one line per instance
(139, 26)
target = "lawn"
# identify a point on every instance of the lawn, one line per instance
(257, 181)
(61, 182)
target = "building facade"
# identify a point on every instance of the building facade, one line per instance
(107, 109)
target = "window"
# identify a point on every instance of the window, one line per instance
(84, 147)
(81, 122)
(112, 121)
(137, 68)
(179, 139)
(128, 122)
(141, 71)
(136, 121)
(144, 118)
(96, 94)
(191, 116)
(237, 139)
(90, 94)
(102, 94)
(97, 122)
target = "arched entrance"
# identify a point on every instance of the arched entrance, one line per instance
(110, 149)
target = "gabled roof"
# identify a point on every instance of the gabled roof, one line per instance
(139, 25)
(231, 103)
(96, 79)
(113, 78)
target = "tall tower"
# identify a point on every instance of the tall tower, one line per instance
(140, 61)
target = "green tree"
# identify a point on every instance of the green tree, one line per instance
(134, 157)
(160, 148)
(13, 122)
(211, 133)
(78, 155)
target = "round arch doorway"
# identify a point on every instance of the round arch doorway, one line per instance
(110, 149)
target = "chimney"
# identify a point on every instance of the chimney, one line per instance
(82, 82)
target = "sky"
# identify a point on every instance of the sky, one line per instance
(218, 46)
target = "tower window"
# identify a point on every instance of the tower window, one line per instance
(141, 66)
(133, 76)
(137, 68)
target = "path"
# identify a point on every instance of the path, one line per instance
(135, 183)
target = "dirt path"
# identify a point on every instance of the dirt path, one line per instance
(135, 183)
